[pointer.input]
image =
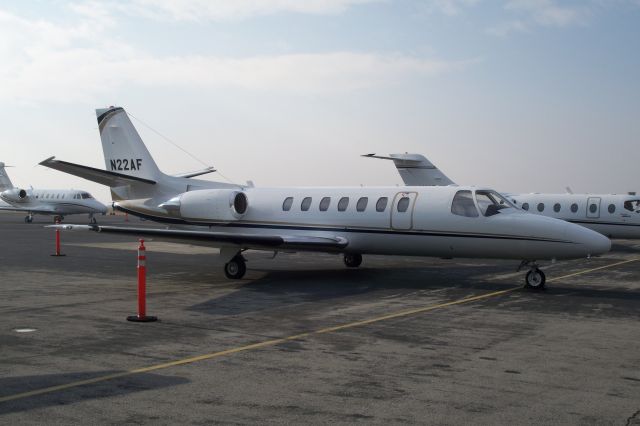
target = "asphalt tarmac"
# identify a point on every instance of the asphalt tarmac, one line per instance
(302, 339)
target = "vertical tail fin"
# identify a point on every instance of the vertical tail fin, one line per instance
(416, 170)
(124, 151)
(5, 182)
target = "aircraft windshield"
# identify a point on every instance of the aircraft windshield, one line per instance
(490, 202)
(632, 205)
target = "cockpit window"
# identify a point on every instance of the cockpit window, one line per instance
(490, 202)
(463, 204)
(632, 205)
(86, 195)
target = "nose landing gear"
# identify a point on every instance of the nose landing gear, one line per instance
(535, 278)
(28, 218)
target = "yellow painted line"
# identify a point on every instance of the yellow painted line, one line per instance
(275, 342)
(586, 271)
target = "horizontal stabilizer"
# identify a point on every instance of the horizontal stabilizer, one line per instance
(103, 177)
(197, 173)
(246, 240)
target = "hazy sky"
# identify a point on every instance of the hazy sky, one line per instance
(520, 95)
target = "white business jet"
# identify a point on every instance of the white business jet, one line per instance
(613, 215)
(53, 202)
(408, 221)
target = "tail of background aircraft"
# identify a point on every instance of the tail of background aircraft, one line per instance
(5, 182)
(416, 170)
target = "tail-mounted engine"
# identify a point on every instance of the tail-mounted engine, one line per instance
(14, 195)
(222, 205)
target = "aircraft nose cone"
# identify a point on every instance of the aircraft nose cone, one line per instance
(592, 242)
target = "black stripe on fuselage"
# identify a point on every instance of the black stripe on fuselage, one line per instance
(338, 229)
(592, 222)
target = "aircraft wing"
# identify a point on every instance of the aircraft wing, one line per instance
(40, 210)
(244, 240)
(103, 177)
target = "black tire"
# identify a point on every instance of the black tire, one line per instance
(352, 260)
(28, 219)
(535, 280)
(235, 268)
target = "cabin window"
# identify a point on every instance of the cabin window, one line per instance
(57, 196)
(593, 208)
(556, 207)
(324, 204)
(362, 204)
(612, 208)
(574, 208)
(463, 204)
(306, 203)
(381, 205)
(525, 206)
(541, 207)
(63, 196)
(343, 204)
(403, 204)
(288, 202)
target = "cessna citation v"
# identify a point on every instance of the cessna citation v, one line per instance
(409, 221)
(613, 215)
(56, 202)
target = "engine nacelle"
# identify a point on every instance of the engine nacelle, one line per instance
(209, 204)
(14, 194)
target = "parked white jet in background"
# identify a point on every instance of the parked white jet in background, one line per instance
(613, 215)
(410, 221)
(56, 202)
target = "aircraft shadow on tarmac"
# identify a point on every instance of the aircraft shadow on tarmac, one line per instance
(282, 288)
(279, 289)
(121, 386)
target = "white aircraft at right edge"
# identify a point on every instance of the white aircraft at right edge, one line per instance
(613, 215)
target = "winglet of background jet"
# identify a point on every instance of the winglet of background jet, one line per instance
(416, 170)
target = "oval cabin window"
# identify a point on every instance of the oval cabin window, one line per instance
(541, 207)
(306, 203)
(556, 207)
(525, 206)
(343, 204)
(612, 208)
(362, 204)
(288, 202)
(574, 208)
(403, 204)
(381, 205)
(593, 208)
(324, 204)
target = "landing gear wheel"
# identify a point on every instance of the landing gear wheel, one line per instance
(352, 260)
(235, 268)
(535, 280)
(93, 221)
(28, 219)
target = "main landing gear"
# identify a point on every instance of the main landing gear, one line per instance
(92, 219)
(236, 267)
(28, 218)
(352, 260)
(535, 278)
(58, 219)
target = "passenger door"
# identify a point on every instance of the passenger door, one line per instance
(593, 207)
(402, 210)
